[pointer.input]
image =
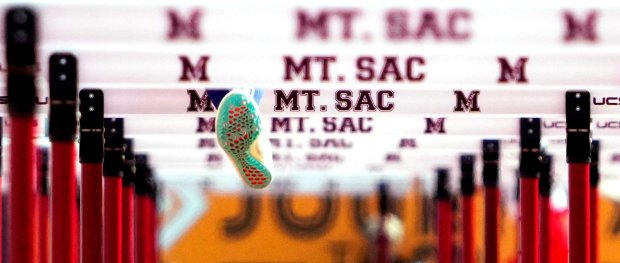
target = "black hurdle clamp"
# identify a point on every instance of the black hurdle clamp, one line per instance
(113, 147)
(490, 162)
(129, 165)
(43, 169)
(383, 198)
(144, 175)
(153, 189)
(91, 126)
(443, 179)
(145, 184)
(529, 164)
(594, 169)
(63, 85)
(20, 37)
(546, 175)
(468, 186)
(578, 132)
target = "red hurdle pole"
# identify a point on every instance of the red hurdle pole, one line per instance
(43, 205)
(490, 177)
(145, 242)
(1, 171)
(529, 170)
(20, 43)
(544, 188)
(128, 237)
(383, 240)
(444, 217)
(594, 181)
(578, 136)
(91, 157)
(468, 188)
(113, 189)
(62, 131)
(154, 227)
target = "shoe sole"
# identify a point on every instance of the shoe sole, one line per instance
(238, 127)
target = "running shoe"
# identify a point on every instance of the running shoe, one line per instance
(241, 136)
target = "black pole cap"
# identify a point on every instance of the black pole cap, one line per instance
(153, 190)
(383, 198)
(114, 142)
(129, 167)
(530, 147)
(42, 170)
(21, 40)
(546, 178)
(468, 186)
(91, 126)
(443, 178)
(143, 175)
(63, 97)
(594, 166)
(578, 133)
(490, 162)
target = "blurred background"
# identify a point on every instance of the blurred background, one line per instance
(427, 82)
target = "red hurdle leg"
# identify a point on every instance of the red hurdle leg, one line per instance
(529, 220)
(112, 199)
(91, 213)
(64, 206)
(579, 217)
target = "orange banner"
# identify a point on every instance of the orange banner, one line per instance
(329, 228)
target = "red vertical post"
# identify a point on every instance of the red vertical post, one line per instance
(468, 188)
(145, 241)
(20, 44)
(1, 194)
(43, 205)
(91, 213)
(127, 245)
(544, 188)
(64, 207)
(546, 253)
(143, 221)
(113, 191)
(444, 217)
(154, 230)
(529, 169)
(62, 130)
(490, 177)
(112, 219)
(128, 237)
(91, 158)
(578, 136)
(594, 231)
(529, 220)
(594, 181)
